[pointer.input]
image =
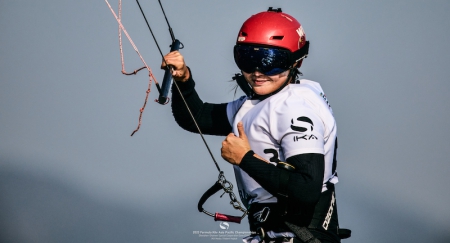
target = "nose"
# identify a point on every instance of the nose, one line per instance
(257, 73)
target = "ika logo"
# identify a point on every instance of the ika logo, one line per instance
(303, 124)
(224, 225)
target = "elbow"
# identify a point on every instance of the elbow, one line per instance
(190, 127)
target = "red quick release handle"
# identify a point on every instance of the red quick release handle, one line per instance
(227, 218)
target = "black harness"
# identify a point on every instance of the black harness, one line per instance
(289, 216)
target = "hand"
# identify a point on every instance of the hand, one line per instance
(175, 60)
(234, 148)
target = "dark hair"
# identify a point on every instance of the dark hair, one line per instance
(295, 75)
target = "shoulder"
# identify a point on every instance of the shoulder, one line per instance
(307, 93)
(306, 99)
(306, 90)
(234, 106)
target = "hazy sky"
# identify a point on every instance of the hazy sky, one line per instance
(67, 112)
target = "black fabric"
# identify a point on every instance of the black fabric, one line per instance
(273, 221)
(302, 233)
(211, 118)
(334, 156)
(305, 184)
(282, 195)
(331, 234)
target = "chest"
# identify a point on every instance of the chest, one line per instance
(257, 120)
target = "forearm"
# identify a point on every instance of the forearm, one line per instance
(211, 118)
(305, 183)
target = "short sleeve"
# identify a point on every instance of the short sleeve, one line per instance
(298, 127)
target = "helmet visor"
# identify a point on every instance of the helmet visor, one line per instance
(267, 60)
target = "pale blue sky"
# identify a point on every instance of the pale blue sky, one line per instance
(67, 113)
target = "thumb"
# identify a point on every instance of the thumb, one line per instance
(241, 131)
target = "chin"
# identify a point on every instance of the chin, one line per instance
(260, 91)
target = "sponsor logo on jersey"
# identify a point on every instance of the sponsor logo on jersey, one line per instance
(325, 99)
(304, 137)
(303, 124)
(302, 127)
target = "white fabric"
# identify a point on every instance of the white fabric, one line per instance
(278, 128)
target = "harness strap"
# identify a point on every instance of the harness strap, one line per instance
(317, 222)
(302, 233)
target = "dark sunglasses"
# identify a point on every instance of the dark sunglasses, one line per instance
(267, 60)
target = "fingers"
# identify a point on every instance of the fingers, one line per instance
(228, 150)
(175, 60)
(234, 148)
(240, 127)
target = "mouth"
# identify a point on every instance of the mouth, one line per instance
(259, 82)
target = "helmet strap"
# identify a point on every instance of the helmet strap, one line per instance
(301, 53)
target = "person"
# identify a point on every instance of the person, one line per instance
(280, 137)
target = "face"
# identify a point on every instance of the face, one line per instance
(263, 84)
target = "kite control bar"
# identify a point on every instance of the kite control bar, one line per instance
(167, 81)
(175, 46)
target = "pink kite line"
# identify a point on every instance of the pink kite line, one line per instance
(150, 74)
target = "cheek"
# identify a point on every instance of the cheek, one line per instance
(283, 74)
(280, 80)
(247, 77)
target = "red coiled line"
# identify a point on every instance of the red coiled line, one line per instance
(150, 74)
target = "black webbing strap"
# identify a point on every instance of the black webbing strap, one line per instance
(302, 233)
(322, 206)
(301, 53)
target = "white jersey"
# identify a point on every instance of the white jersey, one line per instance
(296, 120)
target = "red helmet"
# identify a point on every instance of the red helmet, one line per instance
(277, 29)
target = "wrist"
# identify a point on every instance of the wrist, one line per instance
(187, 74)
(247, 156)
